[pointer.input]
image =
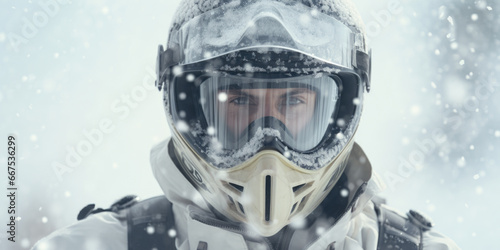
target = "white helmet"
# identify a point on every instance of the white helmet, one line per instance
(263, 98)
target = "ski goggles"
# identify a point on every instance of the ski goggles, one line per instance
(228, 117)
(251, 24)
(297, 110)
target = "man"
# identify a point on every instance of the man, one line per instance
(263, 98)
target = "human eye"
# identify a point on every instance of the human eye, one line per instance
(293, 100)
(242, 100)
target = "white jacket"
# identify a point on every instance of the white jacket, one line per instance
(357, 229)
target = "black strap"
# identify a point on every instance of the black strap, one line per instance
(363, 65)
(119, 205)
(397, 231)
(151, 225)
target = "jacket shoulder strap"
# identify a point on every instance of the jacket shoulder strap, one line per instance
(151, 225)
(149, 222)
(397, 231)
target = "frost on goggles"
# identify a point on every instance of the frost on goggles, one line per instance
(267, 24)
(231, 118)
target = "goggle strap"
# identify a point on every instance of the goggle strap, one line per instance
(362, 62)
(164, 61)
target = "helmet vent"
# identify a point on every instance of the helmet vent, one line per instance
(299, 190)
(230, 199)
(296, 188)
(293, 208)
(268, 199)
(241, 208)
(303, 202)
(238, 187)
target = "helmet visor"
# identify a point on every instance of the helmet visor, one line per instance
(254, 24)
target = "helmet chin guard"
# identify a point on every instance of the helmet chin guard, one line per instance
(267, 192)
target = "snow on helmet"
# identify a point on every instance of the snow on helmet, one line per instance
(263, 98)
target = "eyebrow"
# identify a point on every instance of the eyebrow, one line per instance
(293, 92)
(237, 92)
(296, 92)
(240, 92)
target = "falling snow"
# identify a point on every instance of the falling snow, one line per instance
(344, 192)
(434, 67)
(172, 233)
(150, 230)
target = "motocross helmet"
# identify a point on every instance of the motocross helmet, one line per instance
(263, 98)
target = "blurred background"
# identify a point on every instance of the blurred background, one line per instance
(80, 75)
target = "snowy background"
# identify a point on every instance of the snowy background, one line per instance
(431, 124)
